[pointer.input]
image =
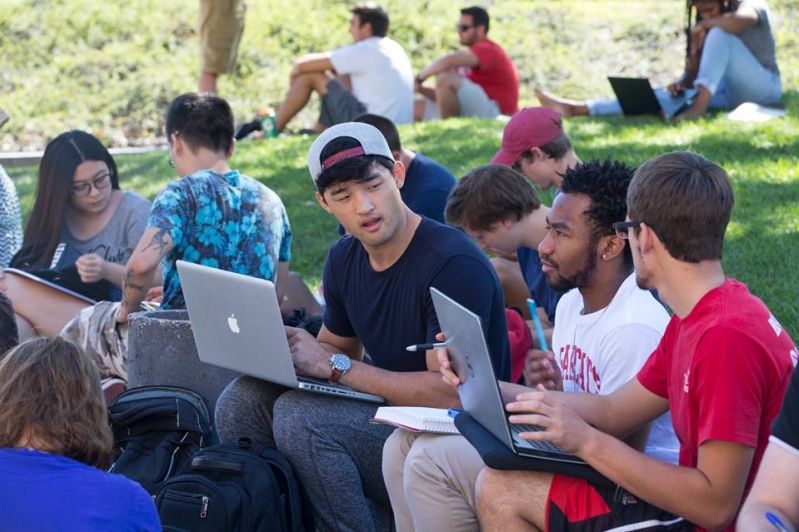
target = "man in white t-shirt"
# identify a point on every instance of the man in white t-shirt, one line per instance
(372, 75)
(605, 328)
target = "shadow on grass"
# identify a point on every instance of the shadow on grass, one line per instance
(766, 261)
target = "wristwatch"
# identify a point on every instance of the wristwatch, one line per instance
(341, 364)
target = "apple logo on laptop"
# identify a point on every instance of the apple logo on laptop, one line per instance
(233, 323)
(469, 365)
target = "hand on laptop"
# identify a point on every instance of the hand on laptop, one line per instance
(447, 373)
(676, 89)
(309, 357)
(563, 426)
(540, 368)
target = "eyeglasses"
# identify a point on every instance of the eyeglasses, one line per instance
(463, 27)
(84, 189)
(623, 228)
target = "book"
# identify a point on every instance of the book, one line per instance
(416, 419)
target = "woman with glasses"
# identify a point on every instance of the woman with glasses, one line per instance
(81, 231)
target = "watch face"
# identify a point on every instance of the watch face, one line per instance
(340, 362)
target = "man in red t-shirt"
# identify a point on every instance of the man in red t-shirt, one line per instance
(722, 368)
(481, 81)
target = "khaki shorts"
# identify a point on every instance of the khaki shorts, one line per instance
(472, 101)
(221, 26)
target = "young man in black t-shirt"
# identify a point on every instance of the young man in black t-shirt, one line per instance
(377, 283)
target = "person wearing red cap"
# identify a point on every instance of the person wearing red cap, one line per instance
(481, 81)
(535, 145)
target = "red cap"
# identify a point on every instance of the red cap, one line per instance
(529, 128)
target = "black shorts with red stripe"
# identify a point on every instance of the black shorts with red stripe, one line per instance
(576, 505)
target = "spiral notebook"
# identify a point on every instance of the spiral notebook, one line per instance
(416, 419)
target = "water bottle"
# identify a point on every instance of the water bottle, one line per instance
(268, 122)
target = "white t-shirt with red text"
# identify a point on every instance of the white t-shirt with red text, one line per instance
(602, 351)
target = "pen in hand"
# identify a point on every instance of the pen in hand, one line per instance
(425, 347)
(542, 340)
(777, 522)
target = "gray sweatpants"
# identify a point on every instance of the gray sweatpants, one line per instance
(335, 451)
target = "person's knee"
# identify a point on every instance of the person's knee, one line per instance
(237, 410)
(395, 451)
(298, 422)
(316, 81)
(718, 34)
(490, 488)
(448, 79)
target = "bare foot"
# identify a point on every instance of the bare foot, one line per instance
(565, 107)
(689, 114)
(698, 108)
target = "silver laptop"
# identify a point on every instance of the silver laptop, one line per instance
(479, 391)
(237, 325)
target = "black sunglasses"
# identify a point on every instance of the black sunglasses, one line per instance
(463, 27)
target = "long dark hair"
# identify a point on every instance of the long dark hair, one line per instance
(726, 7)
(61, 157)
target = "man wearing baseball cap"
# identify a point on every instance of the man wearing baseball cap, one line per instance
(377, 283)
(535, 145)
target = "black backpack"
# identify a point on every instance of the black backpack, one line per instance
(157, 429)
(237, 487)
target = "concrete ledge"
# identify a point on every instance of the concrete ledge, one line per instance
(161, 351)
(14, 159)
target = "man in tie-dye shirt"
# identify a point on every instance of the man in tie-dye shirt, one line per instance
(213, 215)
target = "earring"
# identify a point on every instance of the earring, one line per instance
(604, 257)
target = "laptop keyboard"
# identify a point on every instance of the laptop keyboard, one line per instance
(533, 444)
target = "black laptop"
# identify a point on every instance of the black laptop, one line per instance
(637, 97)
(485, 422)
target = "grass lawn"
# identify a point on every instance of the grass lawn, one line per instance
(569, 46)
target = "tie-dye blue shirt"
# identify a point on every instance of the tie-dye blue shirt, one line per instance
(226, 221)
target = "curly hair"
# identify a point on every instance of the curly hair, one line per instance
(51, 400)
(605, 183)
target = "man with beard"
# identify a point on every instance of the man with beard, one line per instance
(481, 81)
(722, 369)
(605, 327)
